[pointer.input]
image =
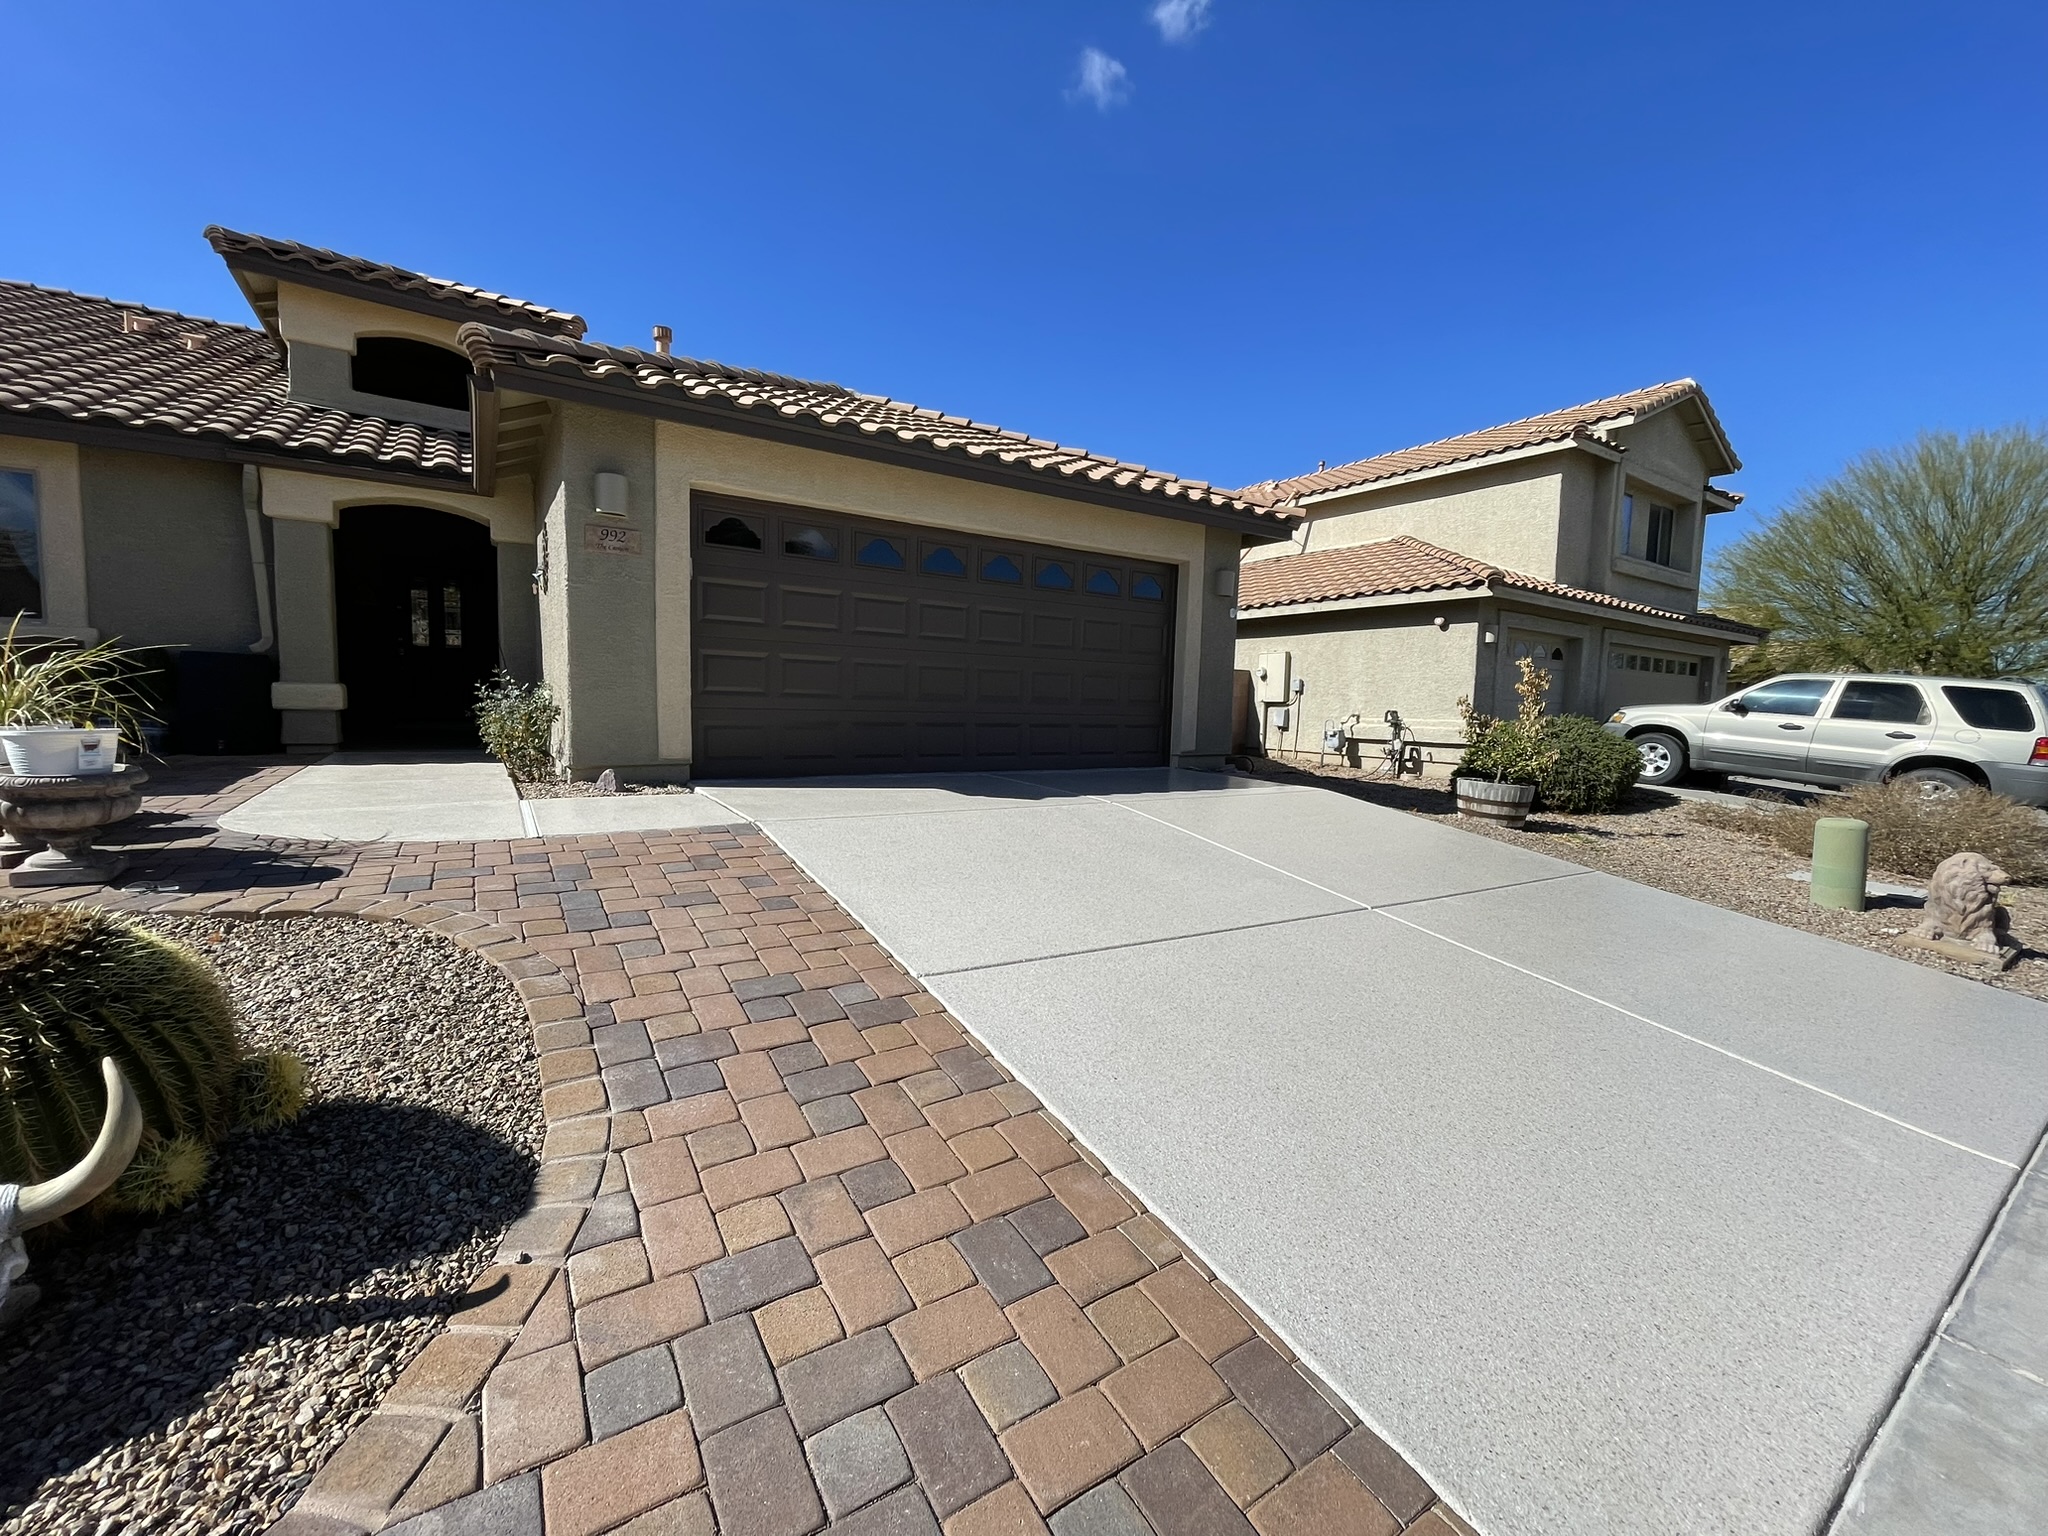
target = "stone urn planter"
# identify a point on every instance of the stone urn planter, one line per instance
(1504, 804)
(61, 815)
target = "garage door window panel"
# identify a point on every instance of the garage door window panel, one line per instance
(1054, 576)
(735, 532)
(808, 542)
(1001, 567)
(944, 560)
(1104, 582)
(1148, 588)
(879, 551)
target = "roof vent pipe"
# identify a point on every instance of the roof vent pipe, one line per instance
(662, 337)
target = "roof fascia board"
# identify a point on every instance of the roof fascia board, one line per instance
(1605, 451)
(1626, 616)
(810, 435)
(369, 293)
(1359, 604)
(1718, 500)
(92, 434)
(1501, 591)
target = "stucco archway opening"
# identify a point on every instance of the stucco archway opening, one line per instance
(416, 624)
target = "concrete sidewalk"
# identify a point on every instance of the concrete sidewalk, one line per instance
(426, 797)
(1614, 1211)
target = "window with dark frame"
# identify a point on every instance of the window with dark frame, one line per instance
(1657, 536)
(881, 552)
(808, 543)
(21, 554)
(734, 533)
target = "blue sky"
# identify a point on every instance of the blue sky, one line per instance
(1294, 232)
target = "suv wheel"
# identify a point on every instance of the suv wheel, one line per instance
(1663, 757)
(1936, 783)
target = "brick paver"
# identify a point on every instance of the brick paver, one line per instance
(801, 1252)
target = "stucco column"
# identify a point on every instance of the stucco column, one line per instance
(308, 693)
(1217, 647)
(518, 610)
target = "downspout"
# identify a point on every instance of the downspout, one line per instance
(259, 561)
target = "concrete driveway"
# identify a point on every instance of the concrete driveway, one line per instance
(1614, 1211)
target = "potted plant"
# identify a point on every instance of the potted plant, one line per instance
(65, 708)
(1504, 759)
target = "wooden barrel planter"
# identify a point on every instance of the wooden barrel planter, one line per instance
(1506, 804)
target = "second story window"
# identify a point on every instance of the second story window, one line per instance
(1657, 535)
(1654, 532)
(400, 368)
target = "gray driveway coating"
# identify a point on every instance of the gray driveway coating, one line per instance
(1617, 1213)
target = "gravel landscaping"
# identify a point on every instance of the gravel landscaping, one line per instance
(1656, 840)
(580, 789)
(189, 1373)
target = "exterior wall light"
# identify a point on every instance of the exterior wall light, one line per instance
(611, 496)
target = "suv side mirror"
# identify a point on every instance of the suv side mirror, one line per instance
(1736, 707)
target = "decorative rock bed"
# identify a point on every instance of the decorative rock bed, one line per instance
(189, 1374)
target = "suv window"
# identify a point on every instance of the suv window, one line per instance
(1992, 709)
(1787, 696)
(1887, 703)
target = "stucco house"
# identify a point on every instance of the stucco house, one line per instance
(1413, 579)
(348, 514)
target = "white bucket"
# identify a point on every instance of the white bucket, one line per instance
(52, 751)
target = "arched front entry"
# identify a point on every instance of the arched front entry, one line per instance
(416, 623)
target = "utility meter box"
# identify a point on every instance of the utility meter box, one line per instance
(1271, 677)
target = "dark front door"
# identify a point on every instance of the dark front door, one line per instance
(416, 616)
(833, 644)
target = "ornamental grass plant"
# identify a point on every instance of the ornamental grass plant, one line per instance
(53, 682)
(1911, 831)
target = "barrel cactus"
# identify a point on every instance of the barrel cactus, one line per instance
(77, 984)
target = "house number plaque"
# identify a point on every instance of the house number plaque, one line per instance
(607, 540)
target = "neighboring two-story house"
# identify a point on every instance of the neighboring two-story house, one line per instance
(337, 522)
(1417, 578)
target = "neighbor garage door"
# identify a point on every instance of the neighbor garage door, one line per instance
(826, 644)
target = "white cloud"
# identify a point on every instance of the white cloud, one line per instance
(1179, 20)
(1102, 80)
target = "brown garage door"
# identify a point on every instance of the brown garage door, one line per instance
(827, 644)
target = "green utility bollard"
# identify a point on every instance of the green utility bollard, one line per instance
(1841, 861)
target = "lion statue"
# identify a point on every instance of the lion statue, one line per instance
(1962, 903)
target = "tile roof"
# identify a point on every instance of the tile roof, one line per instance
(1406, 564)
(232, 244)
(747, 392)
(68, 356)
(1579, 421)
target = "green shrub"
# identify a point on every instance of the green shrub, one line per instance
(77, 984)
(1589, 771)
(1911, 831)
(517, 722)
(1508, 751)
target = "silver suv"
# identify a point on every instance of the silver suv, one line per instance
(1855, 728)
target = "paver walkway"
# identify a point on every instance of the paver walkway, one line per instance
(804, 1257)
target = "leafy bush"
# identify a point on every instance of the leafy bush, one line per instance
(1910, 830)
(1508, 751)
(517, 722)
(1589, 770)
(77, 984)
